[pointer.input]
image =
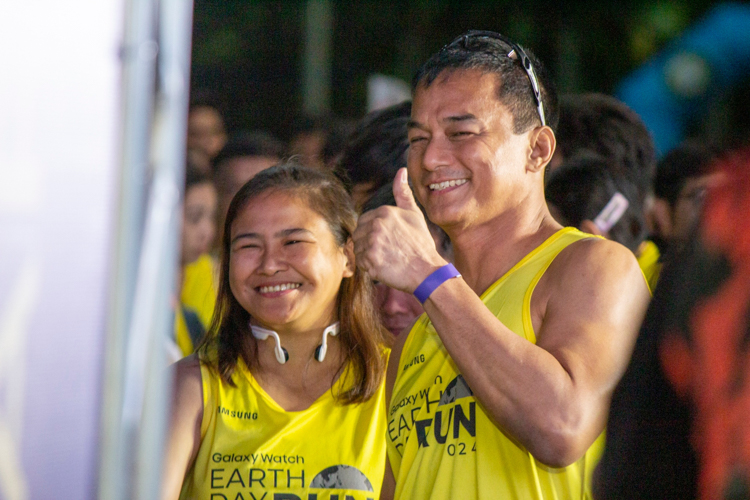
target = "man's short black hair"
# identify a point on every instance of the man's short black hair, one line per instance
(608, 127)
(688, 160)
(584, 185)
(252, 143)
(376, 150)
(490, 55)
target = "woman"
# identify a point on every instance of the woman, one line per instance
(197, 277)
(285, 398)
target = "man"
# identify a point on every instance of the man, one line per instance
(604, 125)
(243, 156)
(375, 151)
(682, 178)
(503, 396)
(587, 194)
(206, 134)
(678, 427)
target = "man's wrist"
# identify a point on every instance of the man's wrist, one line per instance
(434, 280)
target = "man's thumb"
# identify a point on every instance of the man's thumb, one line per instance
(402, 191)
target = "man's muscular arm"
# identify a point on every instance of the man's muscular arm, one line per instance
(553, 396)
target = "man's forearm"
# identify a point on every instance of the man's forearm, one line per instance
(524, 389)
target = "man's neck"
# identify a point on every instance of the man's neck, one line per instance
(483, 253)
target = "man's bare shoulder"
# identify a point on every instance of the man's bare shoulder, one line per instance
(593, 263)
(592, 279)
(591, 282)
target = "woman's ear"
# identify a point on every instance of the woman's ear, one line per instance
(543, 143)
(588, 226)
(349, 264)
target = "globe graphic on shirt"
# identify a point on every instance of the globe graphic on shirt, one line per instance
(341, 477)
(455, 390)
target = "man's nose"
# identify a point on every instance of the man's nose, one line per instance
(436, 153)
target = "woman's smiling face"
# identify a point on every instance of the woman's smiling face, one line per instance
(285, 265)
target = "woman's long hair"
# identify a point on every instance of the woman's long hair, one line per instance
(362, 335)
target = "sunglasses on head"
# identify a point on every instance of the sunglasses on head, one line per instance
(516, 53)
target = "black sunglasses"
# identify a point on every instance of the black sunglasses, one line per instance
(516, 53)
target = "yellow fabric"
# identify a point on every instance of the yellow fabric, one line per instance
(441, 444)
(251, 448)
(648, 260)
(198, 296)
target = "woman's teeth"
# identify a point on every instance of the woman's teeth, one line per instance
(446, 184)
(278, 288)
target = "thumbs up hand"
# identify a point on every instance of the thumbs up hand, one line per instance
(403, 193)
(393, 244)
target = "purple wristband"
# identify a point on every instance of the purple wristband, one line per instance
(431, 282)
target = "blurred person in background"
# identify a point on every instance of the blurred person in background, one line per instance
(586, 194)
(206, 133)
(683, 177)
(399, 309)
(608, 127)
(309, 140)
(293, 368)
(604, 125)
(678, 426)
(375, 151)
(244, 155)
(198, 273)
(336, 140)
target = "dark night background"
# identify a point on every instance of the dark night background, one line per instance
(249, 54)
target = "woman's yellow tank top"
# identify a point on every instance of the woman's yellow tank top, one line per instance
(441, 444)
(197, 303)
(253, 449)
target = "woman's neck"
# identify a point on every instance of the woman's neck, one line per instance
(302, 379)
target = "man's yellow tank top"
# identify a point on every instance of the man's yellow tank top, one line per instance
(197, 303)
(253, 449)
(441, 443)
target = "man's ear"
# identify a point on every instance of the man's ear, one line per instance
(660, 218)
(542, 141)
(349, 264)
(588, 226)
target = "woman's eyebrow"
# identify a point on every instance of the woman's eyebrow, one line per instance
(245, 235)
(290, 232)
(280, 234)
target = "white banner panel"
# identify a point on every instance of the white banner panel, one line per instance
(59, 115)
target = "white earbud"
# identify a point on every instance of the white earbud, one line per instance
(320, 352)
(282, 356)
(262, 334)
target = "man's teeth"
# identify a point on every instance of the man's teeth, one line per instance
(446, 184)
(278, 288)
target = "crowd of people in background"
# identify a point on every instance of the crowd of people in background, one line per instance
(258, 212)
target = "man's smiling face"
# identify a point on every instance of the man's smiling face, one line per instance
(466, 163)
